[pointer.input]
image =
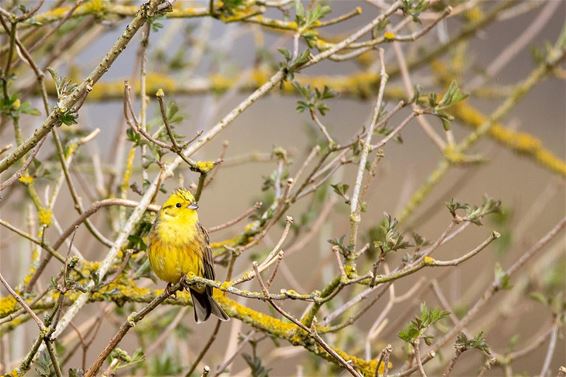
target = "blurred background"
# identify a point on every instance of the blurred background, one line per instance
(533, 198)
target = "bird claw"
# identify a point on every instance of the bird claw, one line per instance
(170, 291)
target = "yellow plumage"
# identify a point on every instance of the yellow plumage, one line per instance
(178, 245)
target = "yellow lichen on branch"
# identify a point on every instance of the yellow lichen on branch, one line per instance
(102, 8)
(360, 85)
(520, 142)
(8, 305)
(123, 290)
(45, 216)
(205, 166)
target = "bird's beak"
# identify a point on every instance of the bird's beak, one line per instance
(193, 206)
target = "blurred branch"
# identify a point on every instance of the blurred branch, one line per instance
(554, 57)
(66, 104)
(349, 273)
(357, 85)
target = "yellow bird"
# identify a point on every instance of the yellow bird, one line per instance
(179, 245)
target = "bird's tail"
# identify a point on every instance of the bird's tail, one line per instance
(204, 305)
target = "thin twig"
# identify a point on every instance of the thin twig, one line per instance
(311, 331)
(127, 325)
(270, 258)
(23, 304)
(204, 349)
(383, 358)
(416, 347)
(82, 89)
(550, 351)
(235, 220)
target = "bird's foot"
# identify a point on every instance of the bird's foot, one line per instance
(169, 289)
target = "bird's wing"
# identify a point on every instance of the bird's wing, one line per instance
(208, 262)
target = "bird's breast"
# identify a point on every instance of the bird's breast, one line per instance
(175, 250)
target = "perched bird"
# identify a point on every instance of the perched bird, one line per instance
(178, 245)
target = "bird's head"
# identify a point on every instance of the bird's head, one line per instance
(181, 206)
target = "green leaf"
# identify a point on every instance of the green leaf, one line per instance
(502, 279)
(67, 117)
(417, 327)
(256, 367)
(539, 296)
(419, 240)
(409, 333)
(478, 342)
(389, 238)
(286, 54)
(341, 189)
(452, 96)
(303, 58)
(414, 8)
(313, 98)
(26, 108)
(43, 365)
(63, 86)
(345, 250)
(156, 24)
(302, 106)
(304, 91)
(173, 114)
(445, 124)
(453, 206)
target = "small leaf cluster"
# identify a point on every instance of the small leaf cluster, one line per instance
(63, 86)
(541, 53)
(67, 117)
(502, 278)
(389, 238)
(474, 214)
(452, 96)
(122, 356)
(156, 23)
(307, 18)
(289, 65)
(257, 369)
(313, 98)
(13, 107)
(463, 343)
(341, 190)
(134, 137)
(344, 249)
(417, 327)
(419, 241)
(44, 366)
(414, 8)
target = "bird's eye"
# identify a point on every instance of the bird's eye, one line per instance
(178, 205)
